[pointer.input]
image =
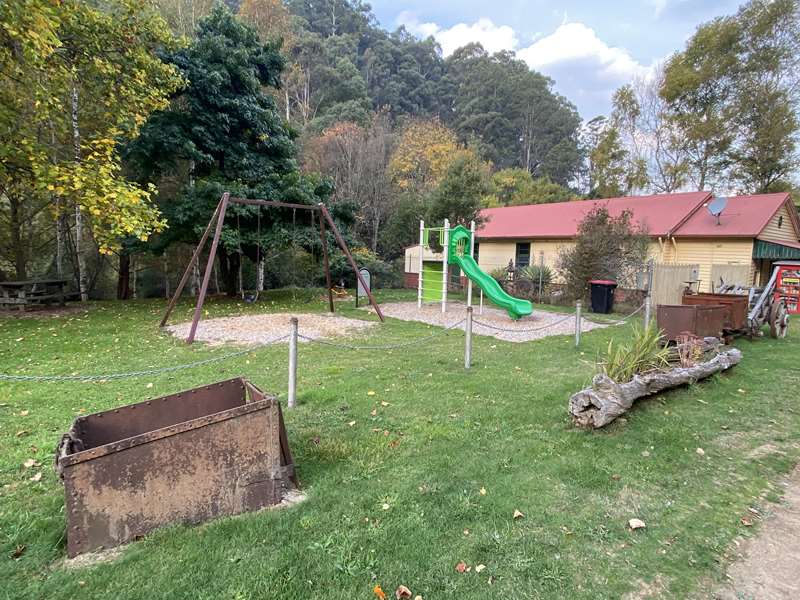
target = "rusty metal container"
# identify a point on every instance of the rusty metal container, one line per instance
(702, 321)
(735, 307)
(207, 452)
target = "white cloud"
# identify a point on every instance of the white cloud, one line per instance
(586, 69)
(576, 44)
(492, 37)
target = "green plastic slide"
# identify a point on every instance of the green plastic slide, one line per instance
(457, 255)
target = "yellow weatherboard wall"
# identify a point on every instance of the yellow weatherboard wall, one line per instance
(707, 252)
(780, 227)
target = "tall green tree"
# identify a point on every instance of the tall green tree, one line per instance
(459, 194)
(223, 132)
(733, 95)
(512, 112)
(515, 186)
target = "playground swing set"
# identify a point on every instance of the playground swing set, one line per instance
(216, 222)
(458, 249)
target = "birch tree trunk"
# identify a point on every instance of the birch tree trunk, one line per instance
(79, 252)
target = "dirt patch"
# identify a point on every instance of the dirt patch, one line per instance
(45, 312)
(767, 566)
(259, 329)
(90, 559)
(498, 324)
(644, 589)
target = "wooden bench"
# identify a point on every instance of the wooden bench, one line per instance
(21, 295)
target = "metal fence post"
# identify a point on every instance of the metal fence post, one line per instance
(648, 308)
(293, 364)
(468, 339)
(578, 323)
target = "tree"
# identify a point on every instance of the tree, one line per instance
(513, 113)
(87, 80)
(606, 247)
(223, 133)
(733, 95)
(515, 186)
(607, 165)
(356, 159)
(458, 195)
(423, 153)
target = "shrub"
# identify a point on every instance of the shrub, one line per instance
(643, 354)
(606, 248)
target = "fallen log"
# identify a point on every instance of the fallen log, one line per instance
(606, 400)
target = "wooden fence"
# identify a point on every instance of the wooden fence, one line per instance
(730, 274)
(669, 281)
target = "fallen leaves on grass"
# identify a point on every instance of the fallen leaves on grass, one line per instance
(518, 514)
(379, 592)
(479, 568)
(18, 551)
(461, 567)
(635, 524)
(371, 393)
(31, 462)
(37, 477)
(351, 423)
(482, 491)
(24, 413)
(700, 452)
(402, 592)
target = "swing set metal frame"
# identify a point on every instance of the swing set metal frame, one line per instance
(216, 222)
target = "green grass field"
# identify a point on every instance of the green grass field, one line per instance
(464, 450)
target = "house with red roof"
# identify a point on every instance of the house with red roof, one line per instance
(738, 246)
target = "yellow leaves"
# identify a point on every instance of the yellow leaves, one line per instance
(425, 150)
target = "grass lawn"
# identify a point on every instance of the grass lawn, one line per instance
(432, 479)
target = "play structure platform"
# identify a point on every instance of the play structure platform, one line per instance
(458, 246)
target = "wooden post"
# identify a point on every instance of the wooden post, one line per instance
(198, 309)
(577, 323)
(190, 266)
(343, 246)
(325, 261)
(292, 400)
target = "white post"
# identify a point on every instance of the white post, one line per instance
(472, 254)
(420, 264)
(468, 340)
(446, 236)
(293, 364)
(578, 323)
(480, 310)
(647, 311)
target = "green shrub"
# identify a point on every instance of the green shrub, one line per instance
(644, 353)
(531, 273)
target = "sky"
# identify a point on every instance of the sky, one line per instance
(589, 48)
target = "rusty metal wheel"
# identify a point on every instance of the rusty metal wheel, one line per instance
(778, 320)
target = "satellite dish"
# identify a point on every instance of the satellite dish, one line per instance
(716, 206)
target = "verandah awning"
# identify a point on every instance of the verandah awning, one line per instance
(776, 250)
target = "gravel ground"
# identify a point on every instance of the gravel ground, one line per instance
(257, 329)
(518, 331)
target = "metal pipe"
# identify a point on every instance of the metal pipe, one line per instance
(421, 262)
(577, 323)
(446, 235)
(480, 310)
(468, 339)
(472, 255)
(292, 363)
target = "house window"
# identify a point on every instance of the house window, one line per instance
(523, 255)
(780, 221)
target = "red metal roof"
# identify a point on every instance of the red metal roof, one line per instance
(679, 215)
(661, 213)
(744, 216)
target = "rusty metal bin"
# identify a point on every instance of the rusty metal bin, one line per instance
(207, 452)
(736, 307)
(702, 321)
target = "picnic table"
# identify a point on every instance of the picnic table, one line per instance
(34, 292)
